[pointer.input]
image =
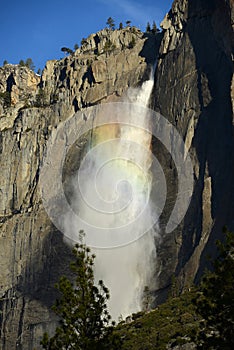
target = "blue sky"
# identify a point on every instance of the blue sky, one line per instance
(38, 29)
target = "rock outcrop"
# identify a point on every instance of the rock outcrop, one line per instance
(193, 91)
(32, 252)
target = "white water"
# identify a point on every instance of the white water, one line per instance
(128, 269)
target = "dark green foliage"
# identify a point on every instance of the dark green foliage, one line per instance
(5, 62)
(171, 323)
(128, 23)
(29, 63)
(110, 22)
(83, 310)
(40, 98)
(54, 98)
(67, 50)
(39, 71)
(154, 28)
(134, 30)
(121, 25)
(83, 41)
(175, 289)
(215, 300)
(147, 299)
(148, 28)
(6, 96)
(76, 47)
(203, 315)
(132, 43)
(109, 46)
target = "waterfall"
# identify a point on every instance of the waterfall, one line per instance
(110, 196)
(114, 189)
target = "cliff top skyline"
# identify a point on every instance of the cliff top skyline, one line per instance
(40, 30)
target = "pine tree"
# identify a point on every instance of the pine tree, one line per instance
(215, 300)
(121, 25)
(21, 63)
(154, 28)
(76, 47)
(148, 28)
(5, 62)
(128, 23)
(67, 50)
(83, 309)
(29, 63)
(110, 22)
(147, 299)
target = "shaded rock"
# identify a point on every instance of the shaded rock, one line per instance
(192, 90)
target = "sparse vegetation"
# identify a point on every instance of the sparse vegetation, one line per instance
(148, 28)
(54, 98)
(5, 62)
(154, 28)
(83, 41)
(109, 46)
(147, 299)
(128, 23)
(134, 30)
(110, 22)
(6, 96)
(40, 98)
(21, 63)
(121, 25)
(66, 50)
(132, 43)
(76, 47)
(28, 63)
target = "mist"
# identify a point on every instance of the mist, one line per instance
(112, 194)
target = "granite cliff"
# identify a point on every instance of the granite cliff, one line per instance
(193, 85)
(32, 252)
(193, 89)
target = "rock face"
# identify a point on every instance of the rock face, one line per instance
(32, 252)
(193, 91)
(107, 64)
(19, 81)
